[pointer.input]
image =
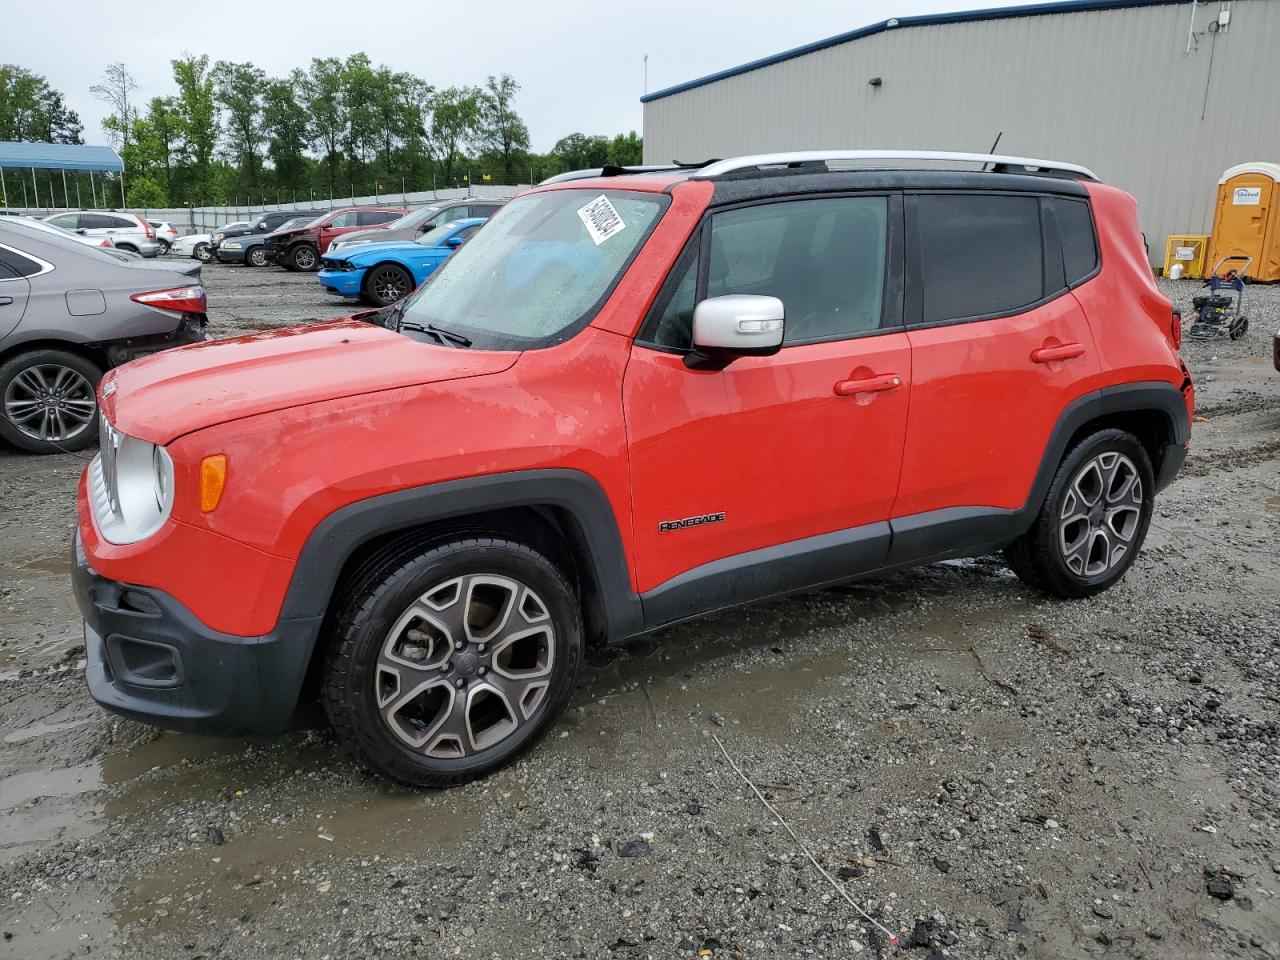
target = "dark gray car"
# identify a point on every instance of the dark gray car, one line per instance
(68, 312)
(417, 222)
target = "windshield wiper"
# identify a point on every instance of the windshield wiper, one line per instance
(441, 334)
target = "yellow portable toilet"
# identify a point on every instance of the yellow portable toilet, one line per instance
(1247, 219)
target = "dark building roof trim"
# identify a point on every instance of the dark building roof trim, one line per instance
(898, 23)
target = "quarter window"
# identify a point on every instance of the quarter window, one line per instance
(17, 265)
(675, 323)
(980, 255)
(1075, 228)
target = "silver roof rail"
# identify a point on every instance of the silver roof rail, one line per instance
(599, 172)
(721, 167)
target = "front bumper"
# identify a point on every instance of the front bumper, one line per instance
(149, 658)
(343, 283)
(233, 255)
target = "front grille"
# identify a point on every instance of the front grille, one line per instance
(108, 445)
(335, 264)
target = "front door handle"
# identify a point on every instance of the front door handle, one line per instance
(886, 381)
(5, 301)
(1061, 351)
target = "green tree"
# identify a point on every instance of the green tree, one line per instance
(285, 123)
(499, 129)
(196, 115)
(117, 85)
(579, 151)
(238, 90)
(455, 114)
(626, 149)
(32, 110)
(145, 192)
(321, 95)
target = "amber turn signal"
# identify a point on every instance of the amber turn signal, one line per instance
(213, 477)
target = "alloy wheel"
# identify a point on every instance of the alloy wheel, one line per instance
(50, 402)
(465, 666)
(389, 285)
(304, 258)
(257, 257)
(1101, 514)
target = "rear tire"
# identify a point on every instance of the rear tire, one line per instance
(302, 257)
(420, 626)
(48, 401)
(1093, 519)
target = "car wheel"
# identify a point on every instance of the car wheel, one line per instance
(303, 256)
(49, 401)
(202, 252)
(1093, 520)
(386, 284)
(164, 247)
(449, 661)
(256, 257)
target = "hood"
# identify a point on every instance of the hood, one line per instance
(282, 234)
(168, 394)
(193, 238)
(378, 249)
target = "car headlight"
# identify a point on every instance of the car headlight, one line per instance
(130, 486)
(217, 238)
(232, 245)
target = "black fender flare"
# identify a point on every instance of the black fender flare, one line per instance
(579, 495)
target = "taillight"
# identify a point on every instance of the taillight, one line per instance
(1175, 329)
(183, 299)
(151, 234)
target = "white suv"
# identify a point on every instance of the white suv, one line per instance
(127, 231)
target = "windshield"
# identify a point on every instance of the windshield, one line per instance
(295, 223)
(234, 225)
(414, 219)
(437, 235)
(537, 269)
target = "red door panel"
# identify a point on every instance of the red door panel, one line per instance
(805, 442)
(985, 396)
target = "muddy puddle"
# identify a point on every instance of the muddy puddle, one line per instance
(260, 824)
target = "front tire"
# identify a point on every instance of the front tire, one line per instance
(1093, 520)
(303, 257)
(256, 257)
(386, 284)
(48, 401)
(202, 252)
(447, 662)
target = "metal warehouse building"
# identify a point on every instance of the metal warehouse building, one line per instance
(1157, 97)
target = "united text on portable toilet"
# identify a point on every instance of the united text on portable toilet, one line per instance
(1246, 222)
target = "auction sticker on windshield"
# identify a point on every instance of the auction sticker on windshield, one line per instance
(601, 219)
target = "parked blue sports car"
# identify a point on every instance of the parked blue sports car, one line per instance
(382, 273)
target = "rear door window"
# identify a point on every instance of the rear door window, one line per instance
(97, 221)
(979, 255)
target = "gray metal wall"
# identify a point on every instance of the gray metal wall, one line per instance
(1110, 89)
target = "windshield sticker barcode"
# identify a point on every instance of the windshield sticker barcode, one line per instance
(601, 219)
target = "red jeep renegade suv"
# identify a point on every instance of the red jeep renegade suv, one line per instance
(630, 400)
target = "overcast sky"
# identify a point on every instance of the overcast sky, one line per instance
(580, 64)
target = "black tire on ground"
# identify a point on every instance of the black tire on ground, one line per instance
(256, 257)
(164, 246)
(302, 256)
(1093, 520)
(385, 284)
(202, 252)
(69, 380)
(369, 686)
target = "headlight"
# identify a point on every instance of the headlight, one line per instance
(130, 486)
(232, 245)
(217, 238)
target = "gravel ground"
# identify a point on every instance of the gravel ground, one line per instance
(988, 773)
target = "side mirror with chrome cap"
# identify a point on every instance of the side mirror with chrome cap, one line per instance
(738, 325)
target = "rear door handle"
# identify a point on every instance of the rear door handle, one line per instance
(1063, 351)
(886, 381)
